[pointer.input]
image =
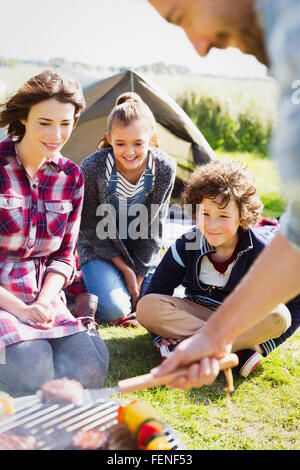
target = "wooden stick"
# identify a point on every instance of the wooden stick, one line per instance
(229, 380)
(230, 387)
(148, 380)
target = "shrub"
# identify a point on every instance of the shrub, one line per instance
(243, 133)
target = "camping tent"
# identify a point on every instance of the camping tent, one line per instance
(2, 90)
(177, 134)
(2, 134)
(2, 97)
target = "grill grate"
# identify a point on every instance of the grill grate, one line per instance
(53, 425)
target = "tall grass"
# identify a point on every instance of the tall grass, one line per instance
(266, 178)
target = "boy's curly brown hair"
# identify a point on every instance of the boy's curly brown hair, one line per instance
(227, 179)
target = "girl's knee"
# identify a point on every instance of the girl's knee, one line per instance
(113, 310)
(114, 305)
(106, 281)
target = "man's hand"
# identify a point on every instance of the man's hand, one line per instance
(200, 353)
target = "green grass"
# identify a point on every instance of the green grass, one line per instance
(264, 411)
(265, 408)
(267, 180)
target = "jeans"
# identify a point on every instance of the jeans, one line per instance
(105, 280)
(83, 357)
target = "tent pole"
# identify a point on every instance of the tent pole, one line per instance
(131, 82)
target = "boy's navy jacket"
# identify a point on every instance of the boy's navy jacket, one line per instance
(181, 265)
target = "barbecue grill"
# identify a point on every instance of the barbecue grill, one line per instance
(53, 425)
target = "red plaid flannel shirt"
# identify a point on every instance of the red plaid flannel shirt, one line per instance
(39, 226)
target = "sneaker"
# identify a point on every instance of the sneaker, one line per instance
(248, 361)
(164, 350)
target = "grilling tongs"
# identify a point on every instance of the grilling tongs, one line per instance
(148, 380)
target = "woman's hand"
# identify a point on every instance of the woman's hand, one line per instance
(38, 315)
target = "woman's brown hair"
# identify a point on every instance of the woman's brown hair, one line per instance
(46, 85)
(129, 107)
(228, 180)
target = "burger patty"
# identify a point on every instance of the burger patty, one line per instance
(62, 391)
(89, 440)
(16, 441)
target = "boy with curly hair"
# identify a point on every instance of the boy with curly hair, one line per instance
(209, 262)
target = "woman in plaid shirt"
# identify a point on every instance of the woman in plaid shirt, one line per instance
(41, 195)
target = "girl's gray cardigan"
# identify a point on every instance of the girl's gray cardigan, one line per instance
(143, 252)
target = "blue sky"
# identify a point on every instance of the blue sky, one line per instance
(108, 32)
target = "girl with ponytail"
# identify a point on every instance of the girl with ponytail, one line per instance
(128, 185)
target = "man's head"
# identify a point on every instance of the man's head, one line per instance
(216, 23)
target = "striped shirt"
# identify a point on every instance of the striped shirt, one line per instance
(125, 189)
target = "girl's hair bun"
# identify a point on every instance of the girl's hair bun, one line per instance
(129, 97)
(129, 108)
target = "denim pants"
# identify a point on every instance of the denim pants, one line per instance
(83, 357)
(105, 280)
